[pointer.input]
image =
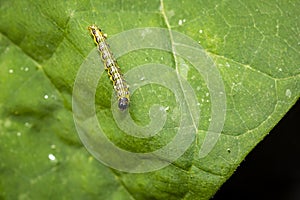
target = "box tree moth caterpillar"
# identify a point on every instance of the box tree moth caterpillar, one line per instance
(112, 67)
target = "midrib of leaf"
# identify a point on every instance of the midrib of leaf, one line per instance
(163, 13)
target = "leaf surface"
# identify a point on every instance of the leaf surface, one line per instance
(254, 45)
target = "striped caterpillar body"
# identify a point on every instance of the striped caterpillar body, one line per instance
(112, 67)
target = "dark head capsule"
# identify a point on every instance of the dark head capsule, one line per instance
(123, 103)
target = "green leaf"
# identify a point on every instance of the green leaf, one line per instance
(254, 45)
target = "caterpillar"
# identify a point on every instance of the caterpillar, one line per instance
(112, 67)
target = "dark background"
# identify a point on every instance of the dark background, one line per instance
(272, 169)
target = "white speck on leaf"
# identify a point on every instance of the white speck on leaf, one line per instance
(288, 93)
(181, 21)
(51, 157)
